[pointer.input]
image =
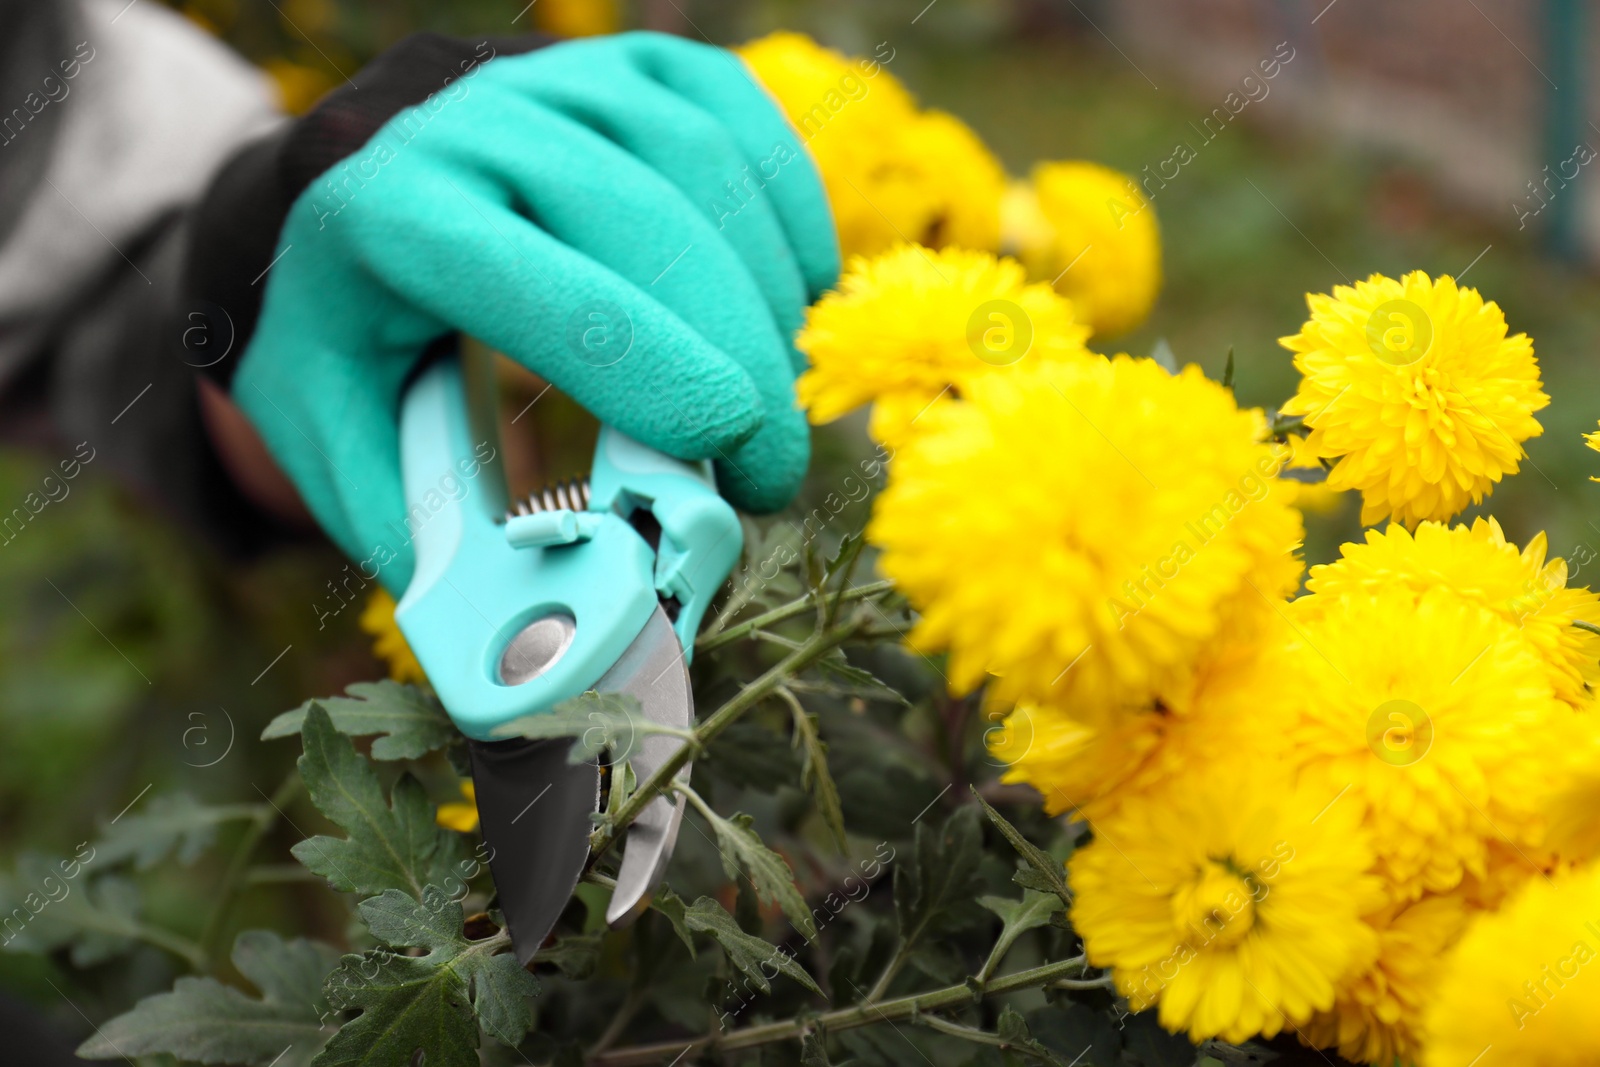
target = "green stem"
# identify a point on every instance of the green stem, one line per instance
(234, 878)
(972, 1033)
(717, 639)
(896, 963)
(181, 947)
(279, 874)
(813, 649)
(1283, 425)
(1589, 626)
(840, 1019)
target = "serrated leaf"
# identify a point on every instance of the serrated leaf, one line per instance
(500, 992)
(672, 906)
(1077, 1033)
(203, 1021)
(1051, 873)
(574, 955)
(408, 1004)
(741, 848)
(1018, 917)
(838, 572)
(846, 691)
(750, 756)
(393, 844)
(814, 774)
(941, 877)
(813, 1050)
(435, 1002)
(47, 909)
(596, 722)
(177, 823)
(748, 953)
(411, 723)
(1154, 1046)
(1012, 1028)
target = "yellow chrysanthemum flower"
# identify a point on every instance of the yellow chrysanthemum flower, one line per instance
(388, 643)
(1593, 441)
(1090, 231)
(460, 815)
(1572, 807)
(909, 325)
(1084, 529)
(892, 173)
(962, 180)
(577, 18)
(1523, 986)
(1414, 387)
(1377, 1016)
(1433, 714)
(1478, 564)
(1230, 901)
(1091, 768)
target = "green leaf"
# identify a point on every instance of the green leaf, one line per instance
(839, 570)
(49, 906)
(434, 1002)
(596, 722)
(941, 877)
(1077, 1033)
(740, 847)
(1153, 1046)
(750, 756)
(813, 1050)
(672, 906)
(1052, 877)
(1227, 370)
(393, 844)
(1012, 1029)
(408, 1004)
(412, 723)
(1018, 916)
(836, 664)
(575, 955)
(750, 954)
(177, 823)
(204, 1021)
(814, 773)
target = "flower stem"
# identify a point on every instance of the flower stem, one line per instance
(717, 639)
(811, 650)
(211, 949)
(840, 1019)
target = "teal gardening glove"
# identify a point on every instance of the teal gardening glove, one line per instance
(630, 217)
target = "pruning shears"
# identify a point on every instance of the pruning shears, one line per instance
(595, 584)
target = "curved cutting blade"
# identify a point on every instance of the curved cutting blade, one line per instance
(536, 812)
(652, 671)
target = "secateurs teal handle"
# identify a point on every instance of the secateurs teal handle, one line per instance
(597, 584)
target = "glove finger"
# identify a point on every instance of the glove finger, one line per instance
(703, 158)
(624, 295)
(718, 82)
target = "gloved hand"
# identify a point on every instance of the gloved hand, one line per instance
(630, 217)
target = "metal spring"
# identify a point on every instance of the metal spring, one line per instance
(571, 494)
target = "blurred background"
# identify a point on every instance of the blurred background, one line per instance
(1450, 136)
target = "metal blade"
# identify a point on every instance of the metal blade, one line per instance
(653, 672)
(535, 809)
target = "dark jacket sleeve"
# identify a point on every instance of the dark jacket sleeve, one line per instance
(114, 366)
